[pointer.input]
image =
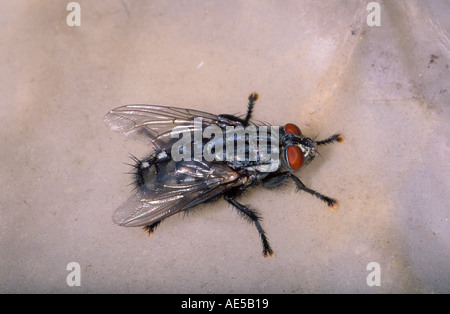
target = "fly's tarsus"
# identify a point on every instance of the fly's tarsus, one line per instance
(333, 204)
(334, 138)
(150, 229)
(251, 103)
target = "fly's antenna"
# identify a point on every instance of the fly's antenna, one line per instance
(251, 103)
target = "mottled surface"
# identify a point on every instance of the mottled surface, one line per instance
(316, 64)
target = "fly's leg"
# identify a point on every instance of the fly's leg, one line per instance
(224, 118)
(252, 216)
(334, 138)
(275, 180)
(251, 103)
(332, 203)
(149, 229)
(278, 179)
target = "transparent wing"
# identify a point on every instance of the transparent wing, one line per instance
(180, 186)
(152, 125)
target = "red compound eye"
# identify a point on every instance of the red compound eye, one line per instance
(292, 129)
(295, 157)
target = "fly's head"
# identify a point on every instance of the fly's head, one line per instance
(297, 150)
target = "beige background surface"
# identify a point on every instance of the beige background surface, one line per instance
(314, 63)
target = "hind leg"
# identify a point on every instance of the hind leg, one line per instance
(149, 229)
(252, 216)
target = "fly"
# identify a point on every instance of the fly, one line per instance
(166, 185)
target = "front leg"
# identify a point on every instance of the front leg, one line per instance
(334, 138)
(277, 179)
